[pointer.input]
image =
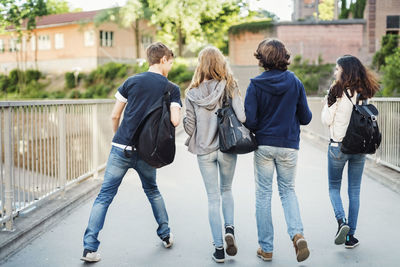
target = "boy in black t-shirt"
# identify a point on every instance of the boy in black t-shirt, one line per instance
(137, 94)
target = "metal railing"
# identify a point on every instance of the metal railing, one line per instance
(388, 153)
(46, 146)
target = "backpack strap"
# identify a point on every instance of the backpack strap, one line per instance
(348, 96)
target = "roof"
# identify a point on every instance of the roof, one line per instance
(66, 18)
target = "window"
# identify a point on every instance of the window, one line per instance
(106, 38)
(13, 45)
(59, 41)
(392, 22)
(44, 42)
(146, 40)
(1, 46)
(89, 38)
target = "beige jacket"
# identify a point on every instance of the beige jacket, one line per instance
(337, 116)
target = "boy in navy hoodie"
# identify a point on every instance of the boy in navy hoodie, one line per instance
(275, 107)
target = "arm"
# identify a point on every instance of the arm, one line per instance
(250, 107)
(189, 122)
(175, 112)
(238, 107)
(303, 111)
(328, 113)
(116, 114)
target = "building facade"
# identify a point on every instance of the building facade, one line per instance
(72, 41)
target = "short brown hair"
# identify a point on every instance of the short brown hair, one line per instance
(272, 54)
(156, 51)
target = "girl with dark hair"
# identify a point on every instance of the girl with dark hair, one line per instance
(360, 84)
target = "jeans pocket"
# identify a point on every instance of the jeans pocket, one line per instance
(335, 152)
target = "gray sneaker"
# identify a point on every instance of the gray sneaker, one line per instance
(90, 256)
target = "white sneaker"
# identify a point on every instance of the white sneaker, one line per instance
(168, 240)
(90, 256)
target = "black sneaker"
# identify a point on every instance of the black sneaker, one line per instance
(219, 255)
(231, 247)
(168, 240)
(343, 230)
(351, 241)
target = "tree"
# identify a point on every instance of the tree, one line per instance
(181, 19)
(344, 11)
(59, 7)
(326, 10)
(129, 15)
(389, 44)
(357, 9)
(391, 74)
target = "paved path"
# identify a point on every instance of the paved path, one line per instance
(129, 239)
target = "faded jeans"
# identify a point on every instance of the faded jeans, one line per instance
(336, 161)
(284, 160)
(218, 189)
(117, 166)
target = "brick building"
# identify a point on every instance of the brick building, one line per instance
(66, 42)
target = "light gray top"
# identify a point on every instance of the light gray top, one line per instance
(200, 122)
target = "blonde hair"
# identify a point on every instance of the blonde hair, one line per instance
(213, 66)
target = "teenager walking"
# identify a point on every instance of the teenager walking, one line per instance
(211, 84)
(276, 106)
(359, 83)
(137, 94)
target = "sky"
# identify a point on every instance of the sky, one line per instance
(282, 8)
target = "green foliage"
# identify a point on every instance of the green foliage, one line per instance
(32, 75)
(180, 74)
(74, 94)
(97, 91)
(252, 26)
(344, 11)
(70, 80)
(58, 7)
(388, 47)
(326, 10)
(311, 75)
(57, 94)
(391, 74)
(357, 9)
(4, 83)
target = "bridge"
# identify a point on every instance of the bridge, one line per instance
(52, 157)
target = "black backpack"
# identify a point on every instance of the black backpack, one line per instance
(362, 135)
(154, 139)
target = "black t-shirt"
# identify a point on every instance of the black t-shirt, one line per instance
(140, 92)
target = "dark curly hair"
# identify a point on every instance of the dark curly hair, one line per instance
(272, 54)
(355, 77)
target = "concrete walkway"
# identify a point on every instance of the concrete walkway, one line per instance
(129, 238)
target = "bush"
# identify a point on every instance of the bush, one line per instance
(180, 74)
(74, 94)
(311, 75)
(70, 80)
(97, 91)
(391, 74)
(32, 75)
(34, 89)
(57, 94)
(4, 83)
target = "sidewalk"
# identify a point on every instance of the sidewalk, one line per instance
(129, 238)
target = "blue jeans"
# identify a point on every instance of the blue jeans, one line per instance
(336, 162)
(209, 165)
(117, 166)
(266, 159)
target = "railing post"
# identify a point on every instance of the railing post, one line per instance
(95, 138)
(8, 159)
(63, 147)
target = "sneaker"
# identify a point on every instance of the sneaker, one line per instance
(168, 241)
(351, 241)
(231, 247)
(265, 256)
(300, 246)
(343, 230)
(219, 255)
(90, 256)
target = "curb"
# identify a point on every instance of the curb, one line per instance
(43, 217)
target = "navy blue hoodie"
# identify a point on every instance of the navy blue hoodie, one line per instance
(276, 106)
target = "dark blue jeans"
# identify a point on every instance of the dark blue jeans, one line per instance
(117, 166)
(336, 162)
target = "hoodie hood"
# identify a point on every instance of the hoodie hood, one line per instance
(208, 94)
(275, 82)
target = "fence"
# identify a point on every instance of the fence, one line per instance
(388, 153)
(46, 146)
